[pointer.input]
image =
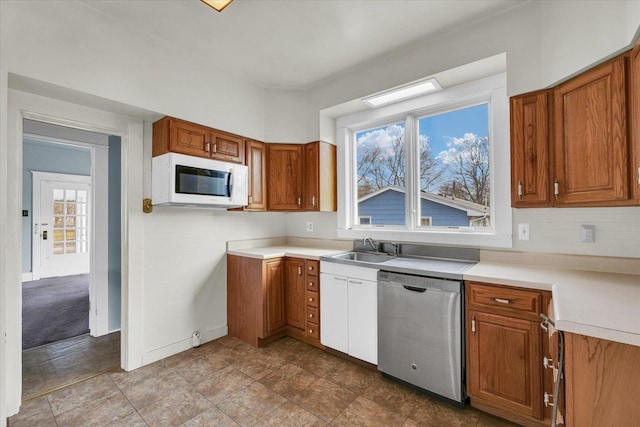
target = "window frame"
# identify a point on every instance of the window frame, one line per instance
(491, 90)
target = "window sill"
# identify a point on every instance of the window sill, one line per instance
(436, 237)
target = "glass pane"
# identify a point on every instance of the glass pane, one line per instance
(58, 248)
(380, 169)
(70, 234)
(58, 194)
(58, 235)
(454, 168)
(81, 221)
(82, 196)
(58, 221)
(70, 248)
(70, 221)
(82, 247)
(81, 209)
(71, 195)
(71, 208)
(58, 208)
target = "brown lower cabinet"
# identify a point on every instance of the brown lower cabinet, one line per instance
(268, 299)
(505, 349)
(602, 380)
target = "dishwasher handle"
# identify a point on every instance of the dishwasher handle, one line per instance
(414, 289)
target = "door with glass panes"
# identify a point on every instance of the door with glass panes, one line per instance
(64, 228)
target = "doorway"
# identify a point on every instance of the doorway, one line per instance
(66, 301)
(90, 114)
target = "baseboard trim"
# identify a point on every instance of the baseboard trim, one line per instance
(27, 277)
(183, 345)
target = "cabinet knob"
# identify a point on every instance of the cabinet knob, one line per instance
(310, 331)
(310, 299)
(310, 283)
(310, 268)
(311, 315)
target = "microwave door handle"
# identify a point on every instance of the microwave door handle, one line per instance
(230, 184)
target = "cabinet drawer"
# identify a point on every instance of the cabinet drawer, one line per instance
(312, 267)
(505, 300)
(312, 284)
(313, 315)
(313, 330)
(312, 299)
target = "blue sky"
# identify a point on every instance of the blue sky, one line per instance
(441, 128)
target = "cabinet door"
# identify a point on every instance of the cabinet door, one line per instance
(530, 150)
(295, 293)
(256, 162)
(591, 156)
(227, 147)
(504, 363)
(275, 313)
(635, 122)
(189, 138)
(363, 320)
(285, 177)
(311, 177)
(601, 382)
(334, 332)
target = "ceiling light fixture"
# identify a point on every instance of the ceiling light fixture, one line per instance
(403, 92)
(217, 4)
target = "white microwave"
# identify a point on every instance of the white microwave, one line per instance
(182, 180)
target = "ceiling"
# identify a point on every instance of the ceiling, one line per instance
(296, 44)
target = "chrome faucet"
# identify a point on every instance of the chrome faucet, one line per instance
(372, 242)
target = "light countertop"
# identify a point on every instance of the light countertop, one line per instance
(597, 304)
(281, 251)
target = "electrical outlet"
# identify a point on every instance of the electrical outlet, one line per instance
(588, 233)
(309, 227)
(523, 231)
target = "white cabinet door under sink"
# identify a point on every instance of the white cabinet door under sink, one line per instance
(334, 332)
(363, 319)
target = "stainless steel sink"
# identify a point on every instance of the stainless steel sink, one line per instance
(364, 257)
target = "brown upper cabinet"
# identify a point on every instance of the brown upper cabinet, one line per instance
(530, 150)
(590, 137)
(578, 144)
(179, 136)
(301, 177)
(256, 161)
(320, 177)
(634, 119)
(285, 165)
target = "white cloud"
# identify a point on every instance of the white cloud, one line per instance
(455, 148)
(380, 137)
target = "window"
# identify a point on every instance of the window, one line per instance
(69, 221)
(432, 169)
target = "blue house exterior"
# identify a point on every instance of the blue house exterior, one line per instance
(387, 207)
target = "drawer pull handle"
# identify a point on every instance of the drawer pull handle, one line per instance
(502, 300)
(547, 362)
(547, 399)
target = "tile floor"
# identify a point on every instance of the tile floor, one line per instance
(229, 383)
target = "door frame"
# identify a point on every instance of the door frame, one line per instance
(23, 105)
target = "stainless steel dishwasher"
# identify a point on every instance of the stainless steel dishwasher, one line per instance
(420, 333)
